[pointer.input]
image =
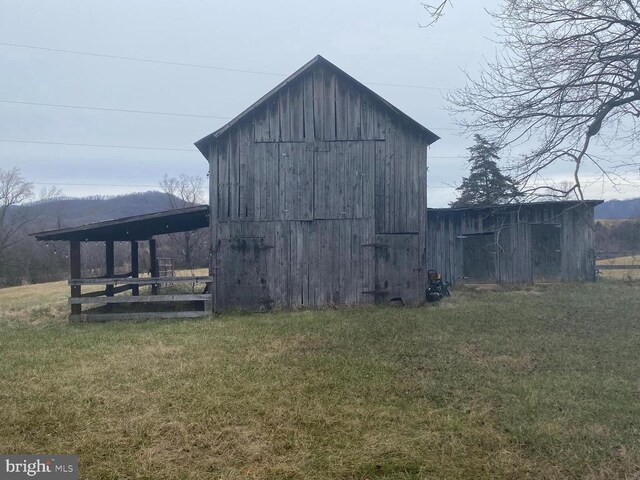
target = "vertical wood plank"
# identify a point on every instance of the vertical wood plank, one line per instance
(296, 181)
(285, 115)
(380, 186)
(367, 119)
(295, 265)
(341, 110)
(308, 105)
(389, 185)
(214, 220)
(354, 112)
(367, 170)
(296, 111)
(272, 193)
(234, 174)
(319, 104)
(261, 125)
(329, 119)
(260, 180)
(273, 114)
(223, 180)
(246, 175)
(420, 161)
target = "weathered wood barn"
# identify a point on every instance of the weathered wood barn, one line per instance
(521, 243)
(318, 196)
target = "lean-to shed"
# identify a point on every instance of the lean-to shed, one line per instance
(517, 243)
(318, 196)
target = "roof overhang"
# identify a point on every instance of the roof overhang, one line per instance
(512, 206)
(139, 227)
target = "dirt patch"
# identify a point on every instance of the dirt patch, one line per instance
(472, 351)
(521, 362)
(518, 362)
(295, 344)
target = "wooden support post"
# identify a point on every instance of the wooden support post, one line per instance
(213, 226)
(135, 268)
(153, 262)
(76, 273)
(110, 261)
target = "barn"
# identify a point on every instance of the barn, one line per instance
(318, 196)
(516, 243)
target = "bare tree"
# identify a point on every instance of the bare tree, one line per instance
(185, 191)
(14, 190)
(47, 194)
(568, 71)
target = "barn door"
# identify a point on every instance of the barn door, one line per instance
(244, 270)
(479, 257)
(545, 252)
(397, 273)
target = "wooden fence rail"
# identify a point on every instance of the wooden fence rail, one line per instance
(137, 281)
(140, 299)
(618, 267)
(105, 300)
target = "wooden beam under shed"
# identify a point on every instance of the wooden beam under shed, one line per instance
(76, 273)
(110, 262)
(153, 263)
(135, 267)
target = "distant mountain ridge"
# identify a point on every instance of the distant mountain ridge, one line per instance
(72, 212)
(619, 209)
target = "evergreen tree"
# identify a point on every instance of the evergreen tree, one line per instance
(486, 184)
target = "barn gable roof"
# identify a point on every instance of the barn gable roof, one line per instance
(317, 61)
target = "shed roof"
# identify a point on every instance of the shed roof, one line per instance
(139, 227)
(318, 60)
(503, 206)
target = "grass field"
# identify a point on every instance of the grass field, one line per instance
(540, 382)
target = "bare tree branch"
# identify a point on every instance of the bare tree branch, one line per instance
(185, 191)
(568, 72)
(435, 11)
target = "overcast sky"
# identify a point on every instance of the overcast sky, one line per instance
(377, 42)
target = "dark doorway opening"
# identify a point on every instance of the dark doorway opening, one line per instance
(545, 252)
(479, 257)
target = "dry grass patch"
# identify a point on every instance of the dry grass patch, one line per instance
(487, 384)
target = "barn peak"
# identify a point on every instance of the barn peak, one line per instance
(316, 63)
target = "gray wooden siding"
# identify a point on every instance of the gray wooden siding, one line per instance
(305, 187)
(577, 245)
(397, 268)
(400, 164)
(514, 248)
(280, 264)
(321, 106)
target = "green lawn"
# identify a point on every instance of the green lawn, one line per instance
(540, 382)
